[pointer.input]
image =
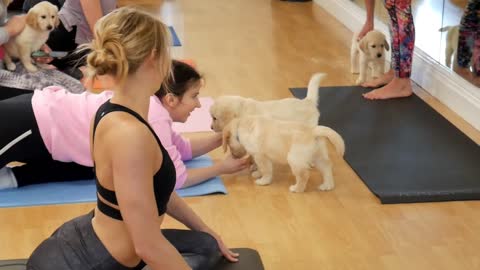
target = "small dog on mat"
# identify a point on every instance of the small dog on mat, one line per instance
(301, 146)
(368, 54)
(41, 20)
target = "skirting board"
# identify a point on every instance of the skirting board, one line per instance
(456, 93)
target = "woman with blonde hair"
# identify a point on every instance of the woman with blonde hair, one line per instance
(134, 174)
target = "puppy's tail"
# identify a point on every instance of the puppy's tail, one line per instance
(313, 84)
(445, 28)
(333, 137)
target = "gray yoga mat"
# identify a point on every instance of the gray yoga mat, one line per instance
(402, 149)
(249, 260)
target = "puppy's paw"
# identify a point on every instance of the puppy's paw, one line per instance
(326, 186)
(256, 174)
(31, 68)
(11, 66)
(263, 181)
(296, 188)
(359, 81)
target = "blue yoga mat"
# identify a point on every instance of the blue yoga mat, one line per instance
(85, 191)
(175, 40)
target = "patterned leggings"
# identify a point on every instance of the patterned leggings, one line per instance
(470, 37)
(402, 31)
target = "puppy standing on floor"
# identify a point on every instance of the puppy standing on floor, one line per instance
(41, 20)
(226, 108)
(368, 54)
(301, 146)
(451, 45)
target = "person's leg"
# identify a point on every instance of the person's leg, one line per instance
(200, 250)
(466, 35)
(20, 139)
(47, 171)
(476, 54)
(8, 92)
(75, 246)
(476, 44)
(403, 43)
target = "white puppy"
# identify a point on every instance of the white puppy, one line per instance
(301, 146)
(41, 20)
(226, 108)
(451, 45)
(368, 54)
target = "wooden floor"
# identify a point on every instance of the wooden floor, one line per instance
(259, 48)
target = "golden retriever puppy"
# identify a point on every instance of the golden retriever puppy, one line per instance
(226, 108)
(41, 20)
(301, 146)
(451, 44)
(368, 54)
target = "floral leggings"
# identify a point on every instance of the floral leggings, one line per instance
(469, 36)
(402, 31)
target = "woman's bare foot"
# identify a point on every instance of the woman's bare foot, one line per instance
(381, 81)
(397, 88)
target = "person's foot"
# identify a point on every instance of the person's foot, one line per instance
(7, 178)
(380, 81)
(397, 88)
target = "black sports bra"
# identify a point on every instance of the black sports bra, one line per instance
(163, 180)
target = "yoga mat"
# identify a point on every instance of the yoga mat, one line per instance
(200, 119)
(175, 40)
(85, 190)
(249, 260)
(402, 149)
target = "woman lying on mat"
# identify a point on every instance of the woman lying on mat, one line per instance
(48, 130)
(134, 174)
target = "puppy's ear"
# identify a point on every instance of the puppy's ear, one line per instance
(387, 46)
(227, 133)
(32, 20)
(363, 44)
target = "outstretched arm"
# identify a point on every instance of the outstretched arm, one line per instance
(369, 22)
(92, 9)
(226, 166)
(205, 144)
(179, 210)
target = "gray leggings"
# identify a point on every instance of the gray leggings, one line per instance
(75, 246)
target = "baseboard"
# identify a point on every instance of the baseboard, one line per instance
(457, 94)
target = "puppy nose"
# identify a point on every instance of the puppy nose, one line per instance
(211, 127)
(379, 55)
(49, 27)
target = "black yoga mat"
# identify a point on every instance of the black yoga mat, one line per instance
(249, 260)
(402, 149)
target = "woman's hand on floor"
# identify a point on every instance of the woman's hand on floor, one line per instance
(226, 252)
(233, 165)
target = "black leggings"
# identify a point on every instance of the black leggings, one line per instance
(75, 246)
(20, 138)
(17, 119)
